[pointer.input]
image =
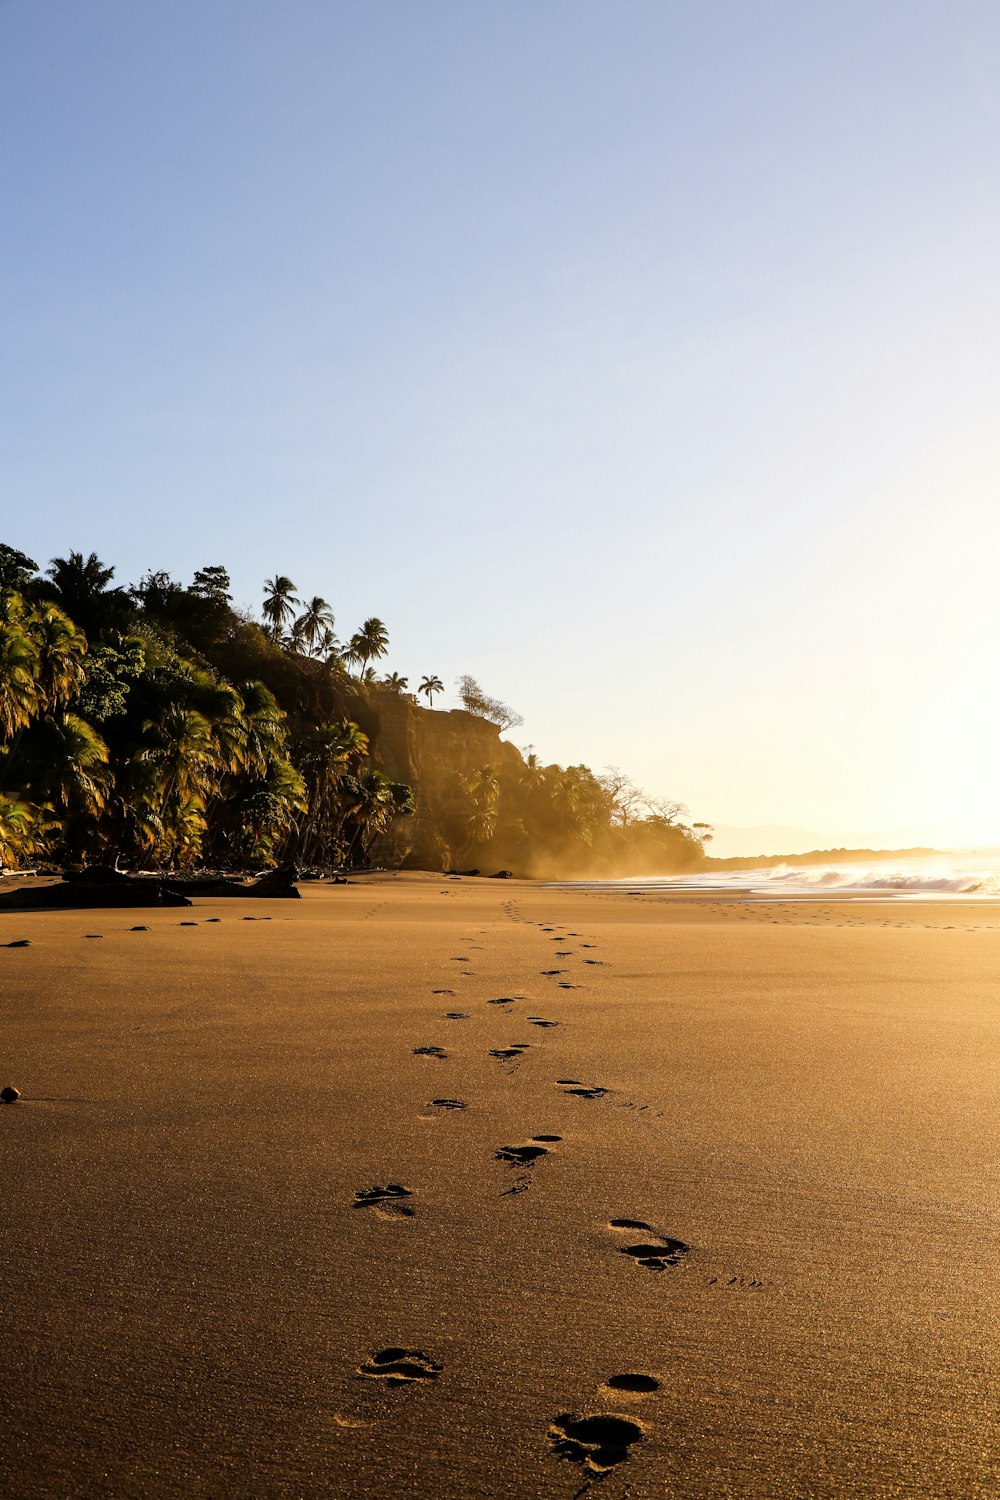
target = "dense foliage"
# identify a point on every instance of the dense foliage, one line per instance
(159, 725)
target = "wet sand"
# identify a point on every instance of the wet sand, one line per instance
(244, 1251)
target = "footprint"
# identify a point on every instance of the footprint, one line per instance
(537, 1021)
(400, 1365)
(389, 1196)
(553, 971)
(442, 992)
(213, 919)
(599, 963)
(19, 943)
(449, 1104)
(456, 1015)
(460, 960)
(502, 1000)
(564, 953)
(582, 1090)
(564, 985)
(429, 1052)
(656, 1253)
(633, 1384)
(187, 924)
(522, 1156)
(597, 1440)
(509, 1054)
(93, 934)
(138, 929)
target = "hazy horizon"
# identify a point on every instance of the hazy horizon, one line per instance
(641, 361)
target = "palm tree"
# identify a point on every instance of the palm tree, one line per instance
(61, 648)
(372, 801)
(66, 765)
(397, 683)
(327, 646)
(81, 585)
(316, 619)
(371, 642)
(181, 761)
(264, 727)
(264, 810)
(531, 776)
(279, 602)
(19, 698)
(333, 752)
(429, 686)
(22, 829)
(484, 789)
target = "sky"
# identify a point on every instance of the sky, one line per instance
(641, 359)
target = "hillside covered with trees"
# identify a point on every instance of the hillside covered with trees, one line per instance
(156, 725)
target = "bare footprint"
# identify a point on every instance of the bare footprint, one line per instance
(509, 1054)
(429, 1052)
(399, 1366)
(656, 1252)
(387, 1199)
(526, 1155)
(449, 1104)
(600, 1441)
(636, 1384)
(581, 1090)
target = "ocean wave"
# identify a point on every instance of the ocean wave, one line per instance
(945, 877)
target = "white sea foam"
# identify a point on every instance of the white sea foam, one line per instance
(973, 875)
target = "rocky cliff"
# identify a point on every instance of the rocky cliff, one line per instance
(433, 751)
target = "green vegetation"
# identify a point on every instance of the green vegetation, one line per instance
(158, 725)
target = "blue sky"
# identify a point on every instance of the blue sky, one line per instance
(640, 359)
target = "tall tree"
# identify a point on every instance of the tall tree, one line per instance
(370, 643)
(429, 686)
(279, 603)
(16, 570)
(19, 696)
(316, 618)
(81, 588)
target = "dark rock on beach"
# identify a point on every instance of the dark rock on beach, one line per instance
(97, 887)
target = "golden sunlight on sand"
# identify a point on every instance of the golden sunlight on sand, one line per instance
(425, 1187)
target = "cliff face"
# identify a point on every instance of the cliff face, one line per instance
(433, 751)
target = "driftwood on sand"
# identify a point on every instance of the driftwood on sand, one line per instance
(278, 883)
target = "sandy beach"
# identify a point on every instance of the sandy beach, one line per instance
(258, 1240)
